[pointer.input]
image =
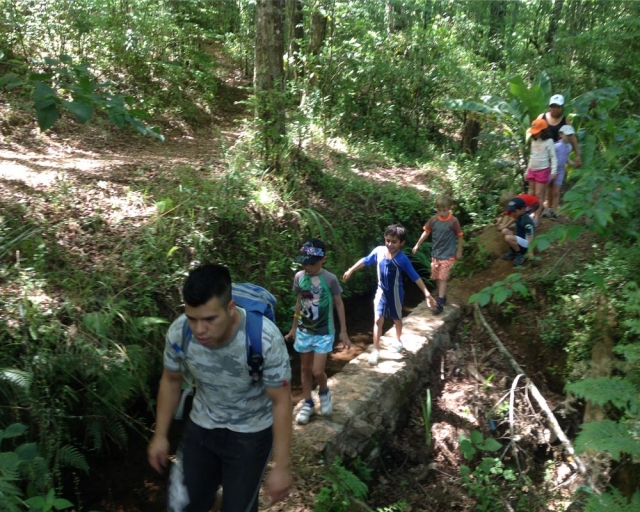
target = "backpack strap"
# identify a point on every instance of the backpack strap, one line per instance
(253, 342)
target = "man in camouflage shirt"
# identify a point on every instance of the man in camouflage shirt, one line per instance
(234, 422)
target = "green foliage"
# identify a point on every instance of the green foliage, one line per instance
(343, 488)
(613, 501)
(22, 465)
(53, 80)
(471, 445)
(484, 483)
(500, 291)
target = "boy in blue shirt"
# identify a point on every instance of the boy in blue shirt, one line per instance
(391, 262)
(525, 229)
(313, 326)
(446, 248)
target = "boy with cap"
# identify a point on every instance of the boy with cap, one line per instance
(525, 229)
(563, 149)
(313, 326)
(506, 220)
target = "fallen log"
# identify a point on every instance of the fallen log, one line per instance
(553, 422)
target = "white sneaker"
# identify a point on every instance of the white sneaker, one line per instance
(373, 357)
(304, 414)
(326, 405)
(396, 345)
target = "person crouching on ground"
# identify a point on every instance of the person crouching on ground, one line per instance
(314, 328)
(525, 229)
(506, 220)
(446, 248)
(391, 262)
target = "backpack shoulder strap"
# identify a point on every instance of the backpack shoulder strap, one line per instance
(253, 343)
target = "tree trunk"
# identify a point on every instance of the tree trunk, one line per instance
(295, 32)
(317, 36)
(470, 133)
(268, 77)
(496, 31)
(556, 15)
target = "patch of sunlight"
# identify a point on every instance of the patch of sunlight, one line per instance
(265, 197)
(338, 144)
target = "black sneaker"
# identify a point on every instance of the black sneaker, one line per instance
(518, 260)
(509, 255)
(553, 217)
(439, 307)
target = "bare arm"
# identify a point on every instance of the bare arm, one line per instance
(576, 147)
(279, 479)
(168, 397)
(294, 325)
(359, 264)
(459, 250)
(422, 238)
(344, 337)
(428, 297)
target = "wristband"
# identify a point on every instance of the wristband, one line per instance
(296, 315)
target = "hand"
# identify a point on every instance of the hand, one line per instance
(158, 453)
(279, 483)
(578, 161)
(346, 275)
(344, 339)
(431, 302)
(290, 336)
(415, 249)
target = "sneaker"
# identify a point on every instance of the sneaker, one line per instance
(518, 260)
(548, 212)
(439, 307)
(536, 222)
(553, 216)
(326, 405)
(509, 255)
(305, 413)
(373, 357)
(396, 345)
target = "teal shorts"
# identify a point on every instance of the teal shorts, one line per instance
(318, 343)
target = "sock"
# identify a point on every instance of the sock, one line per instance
(441, 301)
(323, 392)
(309, 402)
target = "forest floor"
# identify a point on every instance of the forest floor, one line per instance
(467, 383)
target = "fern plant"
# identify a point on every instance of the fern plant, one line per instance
(613, 437)
(24, 464)
(343, 490)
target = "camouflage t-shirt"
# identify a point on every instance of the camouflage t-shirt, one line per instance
(225, 395)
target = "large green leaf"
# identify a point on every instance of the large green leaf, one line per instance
(83, 111)
(47, 116)
(607, 436)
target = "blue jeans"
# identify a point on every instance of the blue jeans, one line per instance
(209, 458)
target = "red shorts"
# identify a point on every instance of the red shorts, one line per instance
(440, 269)
(540, 176)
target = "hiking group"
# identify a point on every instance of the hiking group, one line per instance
(228, 347)
(552, 141)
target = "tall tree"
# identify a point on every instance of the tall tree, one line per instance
(268, 77)
(553, 23)
(295, 33)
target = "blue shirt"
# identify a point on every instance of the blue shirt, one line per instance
(390, 270)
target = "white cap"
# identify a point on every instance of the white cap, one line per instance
(557, 99)
(567, 129)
